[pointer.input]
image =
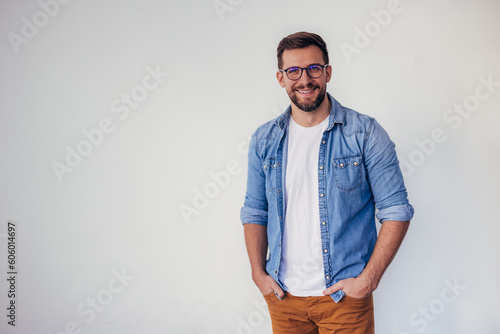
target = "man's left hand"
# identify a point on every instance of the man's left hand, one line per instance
(356, 287)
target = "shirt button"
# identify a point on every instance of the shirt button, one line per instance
(322, 195)
(323, 223)
(279, 190)
(341, 165)
(355, 163)
(275, 271)
(327, 277)
(320, 167)
(324, 142)
(326, 250)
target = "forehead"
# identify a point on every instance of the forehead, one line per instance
(302, 57)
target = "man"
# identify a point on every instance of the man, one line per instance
(315, 176)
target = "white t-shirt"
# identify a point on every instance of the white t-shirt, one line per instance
(301, 267)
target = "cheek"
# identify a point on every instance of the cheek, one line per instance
(287, 85)
(322, 83)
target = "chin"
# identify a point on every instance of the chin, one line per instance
(308, 107)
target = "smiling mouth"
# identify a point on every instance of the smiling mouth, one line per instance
(305, 91)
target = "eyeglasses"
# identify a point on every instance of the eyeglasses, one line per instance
(295, 73)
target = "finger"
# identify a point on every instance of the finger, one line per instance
(334, 288)
(279, 292)
(277, 289)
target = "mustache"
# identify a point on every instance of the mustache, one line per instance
(306, 87)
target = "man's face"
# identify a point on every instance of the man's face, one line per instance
(306, 93)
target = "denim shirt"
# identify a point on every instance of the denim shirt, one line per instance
(358, 171)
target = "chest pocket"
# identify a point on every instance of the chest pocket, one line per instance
(269, 167)
(348, 172)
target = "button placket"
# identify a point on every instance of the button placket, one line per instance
(323, 210)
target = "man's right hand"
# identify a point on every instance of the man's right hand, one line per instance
(267, 284)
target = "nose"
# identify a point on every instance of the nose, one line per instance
(304, 79)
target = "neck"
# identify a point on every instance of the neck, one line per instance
(311, 118)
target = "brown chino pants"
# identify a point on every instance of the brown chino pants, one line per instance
(308, 315)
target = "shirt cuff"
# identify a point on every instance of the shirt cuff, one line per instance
(397, 213)
(253, 216)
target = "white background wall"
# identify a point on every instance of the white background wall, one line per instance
(118, 211)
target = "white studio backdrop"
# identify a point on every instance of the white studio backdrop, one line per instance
(124, 129)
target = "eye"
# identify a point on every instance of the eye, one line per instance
(315, 69)
(293, 70)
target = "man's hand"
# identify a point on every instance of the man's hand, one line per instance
(356, 287)
(267, 284)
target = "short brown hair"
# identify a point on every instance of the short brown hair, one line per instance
(300, 40)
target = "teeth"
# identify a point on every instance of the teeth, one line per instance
(305, 91)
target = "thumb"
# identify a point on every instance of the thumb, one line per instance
(278, 290)
(334, 288)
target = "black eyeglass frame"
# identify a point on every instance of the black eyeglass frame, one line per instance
(307, 71)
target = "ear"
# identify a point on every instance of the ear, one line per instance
(328, 73)
(281, 79)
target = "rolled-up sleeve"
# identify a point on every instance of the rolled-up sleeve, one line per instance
(385, 177)
(254, 210)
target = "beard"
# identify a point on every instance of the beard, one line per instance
(308, 106)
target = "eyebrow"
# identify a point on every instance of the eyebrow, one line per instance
(306, 66)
